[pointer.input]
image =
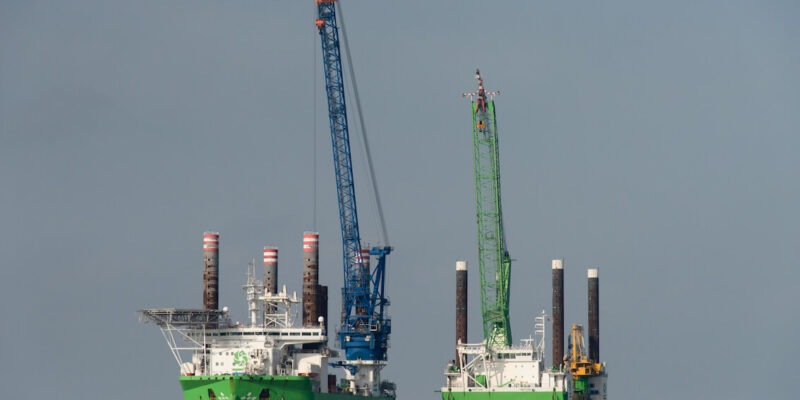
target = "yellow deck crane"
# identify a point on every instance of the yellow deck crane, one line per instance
(585, 372)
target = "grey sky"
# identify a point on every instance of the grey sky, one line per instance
(654, 140)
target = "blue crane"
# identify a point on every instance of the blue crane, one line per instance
(364, 331)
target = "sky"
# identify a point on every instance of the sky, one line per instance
(656, 141)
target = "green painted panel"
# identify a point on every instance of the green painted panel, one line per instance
(447, 395)
(345, 396)
(249, 387)
(246, 387)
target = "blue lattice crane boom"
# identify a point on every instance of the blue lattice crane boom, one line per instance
(364, 330)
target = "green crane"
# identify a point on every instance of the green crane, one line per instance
(495, 263)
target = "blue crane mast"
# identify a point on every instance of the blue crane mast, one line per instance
(364, 330)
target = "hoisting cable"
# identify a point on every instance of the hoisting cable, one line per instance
(363, 129)
(314, 128)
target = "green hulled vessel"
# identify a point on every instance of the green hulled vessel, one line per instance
(269, 357)
(495, 368)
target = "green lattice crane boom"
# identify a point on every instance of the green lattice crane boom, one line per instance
(495, 263)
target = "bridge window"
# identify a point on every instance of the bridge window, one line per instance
(211, 395)
(264, 394)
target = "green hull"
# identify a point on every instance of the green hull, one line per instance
(345, 396)
(504, 395)
(256, 387)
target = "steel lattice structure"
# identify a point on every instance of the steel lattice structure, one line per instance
(364, 331)
(494, 260)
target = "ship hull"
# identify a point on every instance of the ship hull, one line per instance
(504, 395)
(347, 396)
(256, 387)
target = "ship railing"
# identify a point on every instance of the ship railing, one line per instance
(188, 318)
(472, 348)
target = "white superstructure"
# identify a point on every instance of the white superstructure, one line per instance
(268, 345)
(505, 369)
